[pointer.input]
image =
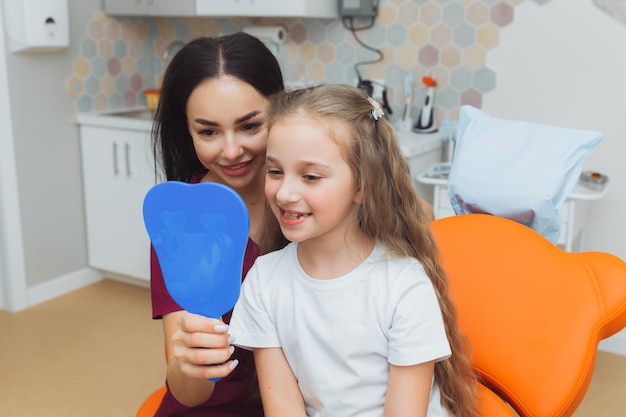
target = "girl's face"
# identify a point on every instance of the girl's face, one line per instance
(309, 186)
(226, 120)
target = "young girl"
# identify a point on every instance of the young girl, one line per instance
(353, 317)
(211, 126)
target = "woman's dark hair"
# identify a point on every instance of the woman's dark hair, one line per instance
(238, 55)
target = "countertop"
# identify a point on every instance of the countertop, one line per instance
(411, 144)
(415, 144)
(579, 192)
(119, 119)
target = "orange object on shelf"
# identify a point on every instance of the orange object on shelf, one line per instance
(429, 82)
(152, 98)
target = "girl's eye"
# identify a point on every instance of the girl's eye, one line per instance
(272, 172)
(311, 177)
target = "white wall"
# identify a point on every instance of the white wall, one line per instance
(12, 291)
(42, 192)
(564, 63)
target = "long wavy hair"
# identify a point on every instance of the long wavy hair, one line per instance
(391, 211)
(238, 55)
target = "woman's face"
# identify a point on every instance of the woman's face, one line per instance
(226, 120)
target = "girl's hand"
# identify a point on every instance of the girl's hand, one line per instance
(202, 347)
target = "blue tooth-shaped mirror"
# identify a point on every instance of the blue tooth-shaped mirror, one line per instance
(199, 233)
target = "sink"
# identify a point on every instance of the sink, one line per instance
(143, 114)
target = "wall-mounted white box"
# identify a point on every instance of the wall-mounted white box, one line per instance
(36, 25)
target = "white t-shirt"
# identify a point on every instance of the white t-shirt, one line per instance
(340, 335)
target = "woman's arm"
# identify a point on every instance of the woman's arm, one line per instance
(279, 389)
(191, 343)
(408, 390)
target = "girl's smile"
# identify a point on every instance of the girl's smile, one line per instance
(291, 218)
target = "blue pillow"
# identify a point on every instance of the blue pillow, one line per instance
(515, 169)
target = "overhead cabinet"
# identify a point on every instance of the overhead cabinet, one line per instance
(150, 7)
(223, 8)
(269, 8)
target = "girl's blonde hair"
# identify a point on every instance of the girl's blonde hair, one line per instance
(391, 211)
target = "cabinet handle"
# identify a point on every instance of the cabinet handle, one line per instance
(115, 166)
(127, 155)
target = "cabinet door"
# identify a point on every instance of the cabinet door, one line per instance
(125, 7)
(118, 172)
(150, 7)
(272, 8)
(171, 7)
(442, 206)
(292, 8)
(211, 8)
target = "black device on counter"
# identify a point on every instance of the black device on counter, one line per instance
(358, 8)
(368, 87)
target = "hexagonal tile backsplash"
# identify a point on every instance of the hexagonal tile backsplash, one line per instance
(447, 40)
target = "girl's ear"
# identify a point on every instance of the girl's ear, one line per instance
(358, 196)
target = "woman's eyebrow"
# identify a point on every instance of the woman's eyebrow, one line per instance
(247, 116)
(204, 122)
(241, 119)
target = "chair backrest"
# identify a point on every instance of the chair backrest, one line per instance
(533, 313)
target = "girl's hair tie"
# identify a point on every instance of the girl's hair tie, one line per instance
(377, 112)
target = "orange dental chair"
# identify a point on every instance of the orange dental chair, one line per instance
(152, 403)
(533, 314)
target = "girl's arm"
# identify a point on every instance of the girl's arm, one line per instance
(279, 389)
(191, 343)
(408, 390)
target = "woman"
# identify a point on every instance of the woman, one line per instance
(211, 126)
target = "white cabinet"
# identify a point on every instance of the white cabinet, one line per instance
(572, 213)
(421, 151)
(150, 7)
(223, 8)
(118, 172)
(441, 203)
(271, 8)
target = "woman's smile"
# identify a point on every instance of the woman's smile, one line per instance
(237, 170)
